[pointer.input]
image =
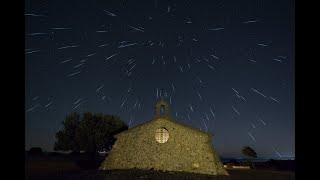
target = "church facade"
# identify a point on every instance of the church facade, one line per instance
(166, 145)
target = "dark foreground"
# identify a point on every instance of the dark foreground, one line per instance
(79, 168)
(139, 174)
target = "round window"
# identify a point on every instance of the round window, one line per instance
(162, 135)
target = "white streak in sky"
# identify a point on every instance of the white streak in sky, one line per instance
(47, 105)
(123, 102)
(215, 29)
(264, 123)
(129, 90)
(101, 31)
(199, 95)
(235, 90)
(130, 121)
(29, 52)
(127, 45)
(99, 88)
(277, 60)
(207, 117)
(252, 137)
(253, 126)
(214, 56)
(240, 97)
(135, 104)
(261, 44)
(65, 47)
(211, 67)
(91, 54)
(35, 15)
(34, 34)
(110, 13)
(132, 67)
(130, 61)
(75, 73)
(256, 91)
(32, 108)
(250, 21)
(67, 60)
(111, 56)
(173, 89)
(78, 65)
(213, 115)
(77, 105)
(252, 60)
(235, 110)
(83, 60)
(277, 153)
(191, 108)
(103, 45)
(77, 101)
(283, 57)
(137, 29)
(157, 93)
(180, 68)
(274, 99)
(204, 124)
(123, 42)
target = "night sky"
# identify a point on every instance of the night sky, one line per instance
(226, 67)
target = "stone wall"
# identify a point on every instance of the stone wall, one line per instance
(186, 150)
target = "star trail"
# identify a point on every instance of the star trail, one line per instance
(225, 67)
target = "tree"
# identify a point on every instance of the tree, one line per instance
(249, 152)
(66, 138)
(97, 131)
(91, 132)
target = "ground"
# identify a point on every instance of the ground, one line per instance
(66, 170)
